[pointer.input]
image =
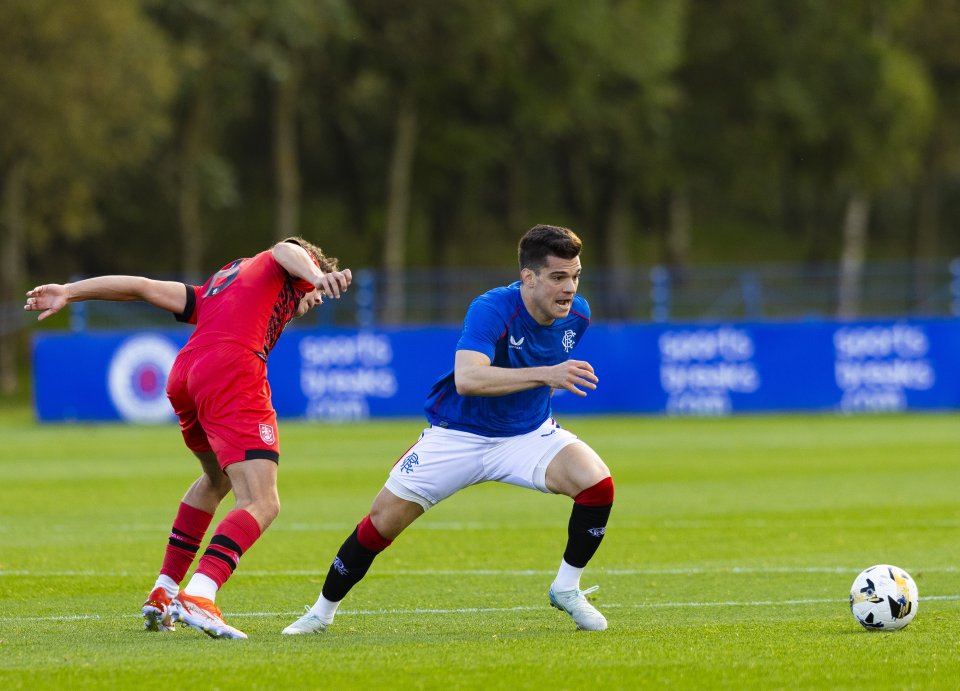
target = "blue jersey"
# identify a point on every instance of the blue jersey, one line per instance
(498, 325)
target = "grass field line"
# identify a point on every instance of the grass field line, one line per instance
(482, 610)
(611, 571)
(669, 524)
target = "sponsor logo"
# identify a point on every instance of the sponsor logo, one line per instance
(553, 431)
(267, 434)
(341, 569)
(137, 378)
(597, 532)
(876, 366)
(409, 462)
(514, 343)
(700, 369)
(568, 341)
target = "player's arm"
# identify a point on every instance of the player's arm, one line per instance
(52, 297)
(298, 262)
(476, 376)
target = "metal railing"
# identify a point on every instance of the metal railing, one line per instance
(657, 294)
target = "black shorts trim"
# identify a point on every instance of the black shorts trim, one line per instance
(268, 454)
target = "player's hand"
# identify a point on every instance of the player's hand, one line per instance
(47, 299)
(332, 284)
(574, 376)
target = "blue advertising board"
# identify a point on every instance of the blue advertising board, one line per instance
(694, 369)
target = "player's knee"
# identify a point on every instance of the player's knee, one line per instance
(599, 494)
(264, 509)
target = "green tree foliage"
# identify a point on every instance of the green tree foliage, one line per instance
(432, 133)
(83, 93)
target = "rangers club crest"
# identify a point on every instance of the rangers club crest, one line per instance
(266, 433)
(568, 341)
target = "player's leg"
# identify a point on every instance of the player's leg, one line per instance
(189, 527)
(229, 387)
(578, 472)
(254, 484)
(439, 464)
(388, 517)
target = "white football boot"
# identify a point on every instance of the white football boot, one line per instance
(573, 602)
(308, 623)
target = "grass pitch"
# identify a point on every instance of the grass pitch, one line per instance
(727, 562)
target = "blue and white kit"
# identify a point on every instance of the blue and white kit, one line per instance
(509, 438)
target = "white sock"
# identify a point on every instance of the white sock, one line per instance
(168, 584)
(568, 578)
(325, 609)
(201, 586)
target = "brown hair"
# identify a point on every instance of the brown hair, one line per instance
(542, 241)
(326, 264)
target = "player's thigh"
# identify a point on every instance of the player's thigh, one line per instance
(185, 407)
(575, 468)
(523, 460)
(441, 463)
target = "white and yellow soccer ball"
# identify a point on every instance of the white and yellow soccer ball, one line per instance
(884, 598)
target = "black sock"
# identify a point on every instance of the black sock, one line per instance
(584, 533)
(348, 568)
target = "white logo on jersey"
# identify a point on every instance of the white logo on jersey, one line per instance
(514, 343)
(567, 341)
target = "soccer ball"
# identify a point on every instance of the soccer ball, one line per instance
(884, 598)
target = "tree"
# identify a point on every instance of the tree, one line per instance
(804, 111)
(210, 39)
(284, 37)
(414, 47)
(594, 86)
(82, 93)
(931, 32)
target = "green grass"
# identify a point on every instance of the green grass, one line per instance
(727, 562)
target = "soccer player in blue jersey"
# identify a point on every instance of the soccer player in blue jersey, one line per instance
(490, 419)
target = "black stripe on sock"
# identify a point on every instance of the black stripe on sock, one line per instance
(225, 542)
(188, 546)
(211, 552)
(186, 536)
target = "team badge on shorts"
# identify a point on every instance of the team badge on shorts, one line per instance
(266, 433)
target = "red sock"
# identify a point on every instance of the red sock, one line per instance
(235, 535)
(189, 527)
(600, 494)
(369, 537)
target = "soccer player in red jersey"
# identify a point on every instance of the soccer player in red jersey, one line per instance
(218, 388)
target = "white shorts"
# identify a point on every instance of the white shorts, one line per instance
(445, 461)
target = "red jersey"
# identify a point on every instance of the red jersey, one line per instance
(248, 302)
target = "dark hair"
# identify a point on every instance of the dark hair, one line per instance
(327, 264)
(542, 241)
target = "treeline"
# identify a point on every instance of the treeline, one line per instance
(166, 136)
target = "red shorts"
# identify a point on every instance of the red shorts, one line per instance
(222, 397)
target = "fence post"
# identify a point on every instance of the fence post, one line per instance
(660, 294)
(752, 295)
(366, 298)
(78, 317)
(955, 287)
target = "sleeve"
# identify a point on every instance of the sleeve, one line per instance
(189, 314)
(482, 328)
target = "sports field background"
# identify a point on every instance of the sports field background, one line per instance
(727, 562)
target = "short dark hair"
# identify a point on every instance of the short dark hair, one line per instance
(542, 241)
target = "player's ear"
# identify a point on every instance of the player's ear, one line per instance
(527, 276)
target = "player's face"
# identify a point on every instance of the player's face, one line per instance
(309, 301)
(552, 288)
